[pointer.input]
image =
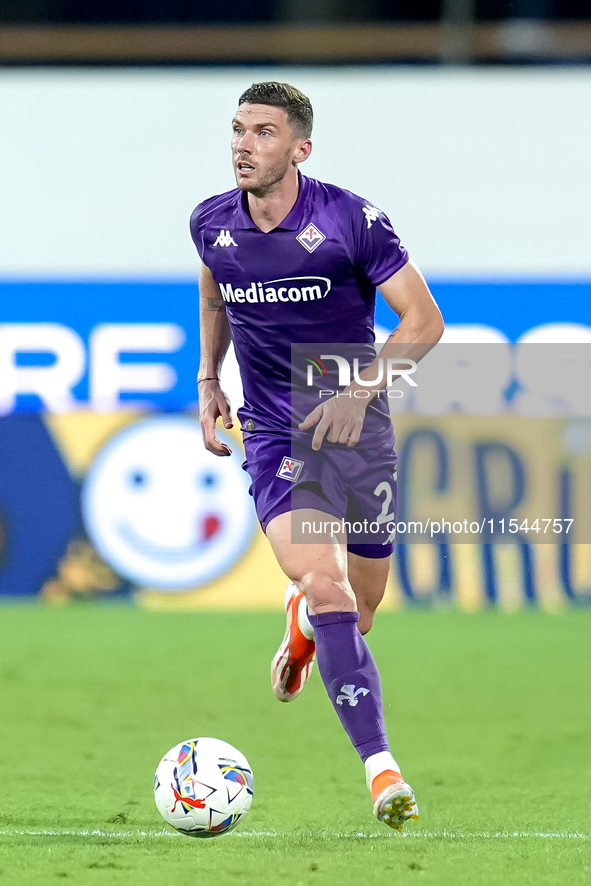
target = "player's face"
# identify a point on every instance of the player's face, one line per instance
(264, 148)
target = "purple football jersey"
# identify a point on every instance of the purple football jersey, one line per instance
(312, 278)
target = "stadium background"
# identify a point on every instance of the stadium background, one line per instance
(483, 169)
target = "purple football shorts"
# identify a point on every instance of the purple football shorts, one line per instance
(357, 487)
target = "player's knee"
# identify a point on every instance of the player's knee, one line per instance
(327, 593)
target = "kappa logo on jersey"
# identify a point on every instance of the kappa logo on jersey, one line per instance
(225, 239)
(371, 214)
(311, 237)
(290, 469)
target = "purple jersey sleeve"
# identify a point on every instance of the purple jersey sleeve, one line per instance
(196, 233)
(197, 225)
(378, 251)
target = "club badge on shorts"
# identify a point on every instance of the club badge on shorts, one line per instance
(290, 468)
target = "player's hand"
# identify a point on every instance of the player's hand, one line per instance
(341, 418)
(214, 404)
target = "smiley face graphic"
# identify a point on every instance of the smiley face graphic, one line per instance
(161, 510)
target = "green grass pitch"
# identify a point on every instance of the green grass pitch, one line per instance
(489, 714)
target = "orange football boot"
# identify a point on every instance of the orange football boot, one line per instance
(393, 799)
(294, 659)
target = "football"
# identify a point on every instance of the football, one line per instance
(203, 787)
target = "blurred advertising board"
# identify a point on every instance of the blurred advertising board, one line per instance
(114, 344)
(129, 505)
(105, 489)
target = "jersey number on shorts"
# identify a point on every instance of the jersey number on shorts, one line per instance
(384, 489)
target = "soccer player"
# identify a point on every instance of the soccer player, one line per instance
(288, 259)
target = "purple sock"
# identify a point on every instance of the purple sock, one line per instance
(351, 679)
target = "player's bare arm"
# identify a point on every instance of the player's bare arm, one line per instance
(340, 419)
(215, 340)
(421, 323)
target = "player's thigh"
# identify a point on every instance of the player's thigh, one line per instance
(368, 577)
(319, 569)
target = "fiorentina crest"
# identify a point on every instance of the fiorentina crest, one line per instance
(311, 237)
(290, 468)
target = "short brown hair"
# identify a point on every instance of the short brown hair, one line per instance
(282, 95)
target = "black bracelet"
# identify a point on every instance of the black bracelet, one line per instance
(209, 378)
